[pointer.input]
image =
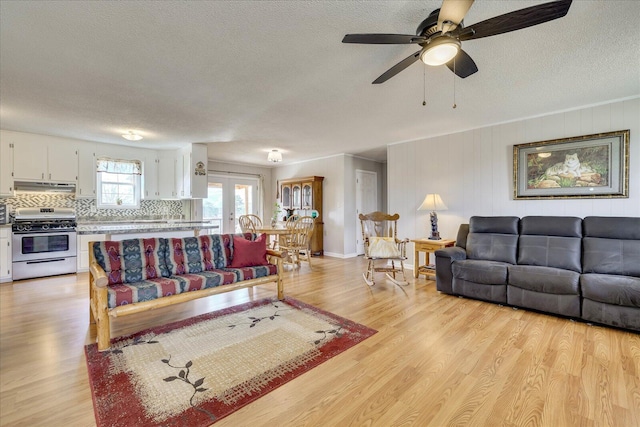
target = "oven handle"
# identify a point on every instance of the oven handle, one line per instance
(45, 260)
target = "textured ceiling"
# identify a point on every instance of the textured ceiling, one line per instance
(251, 76)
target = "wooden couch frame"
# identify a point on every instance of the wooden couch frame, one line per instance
(100, 314)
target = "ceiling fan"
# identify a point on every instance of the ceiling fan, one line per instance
(441, 34)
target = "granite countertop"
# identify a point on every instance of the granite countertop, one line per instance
(144, 226)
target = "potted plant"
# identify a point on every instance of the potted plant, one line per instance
(276, 214)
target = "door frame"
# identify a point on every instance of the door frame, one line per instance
(361, 207)
(228, 182)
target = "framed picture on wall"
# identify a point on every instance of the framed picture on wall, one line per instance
(589, 166)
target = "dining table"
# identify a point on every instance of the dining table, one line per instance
(279, 232)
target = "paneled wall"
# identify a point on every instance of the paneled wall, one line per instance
(473, 170)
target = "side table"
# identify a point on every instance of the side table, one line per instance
(428, 247)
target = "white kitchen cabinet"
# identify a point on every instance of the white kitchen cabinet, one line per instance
(5, 254)
(86, 170)
(150, 177)
(193, 172)
(6, 164)
(83, 240)
(62, 162)
(166, 177)
(44, 159)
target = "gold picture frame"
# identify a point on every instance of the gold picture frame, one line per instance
(588, 167)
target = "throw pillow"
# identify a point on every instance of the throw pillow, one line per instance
(247, 253)
(383, 247)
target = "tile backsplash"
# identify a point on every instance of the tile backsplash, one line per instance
(85, 208)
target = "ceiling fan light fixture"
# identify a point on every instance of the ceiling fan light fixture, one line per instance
(440, 51)
(274, 156)
(130, 136)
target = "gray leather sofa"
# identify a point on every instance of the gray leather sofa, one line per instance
(588, 269)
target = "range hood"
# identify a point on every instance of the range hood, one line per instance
(44, 187)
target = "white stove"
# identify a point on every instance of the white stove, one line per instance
(44, 242)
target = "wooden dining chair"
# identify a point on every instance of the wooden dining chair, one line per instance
(246, 224)
(298, 242)
(381, 244)
(256, 220)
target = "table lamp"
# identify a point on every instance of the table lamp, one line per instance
(433, 202)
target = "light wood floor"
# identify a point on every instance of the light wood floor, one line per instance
(437, 360)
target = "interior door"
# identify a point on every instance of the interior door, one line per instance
(366, 201)
(227, 199)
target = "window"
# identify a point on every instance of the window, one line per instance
(118, 183)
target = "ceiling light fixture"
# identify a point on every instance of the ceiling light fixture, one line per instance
(132, 136)
(440, 51)
(274, 156)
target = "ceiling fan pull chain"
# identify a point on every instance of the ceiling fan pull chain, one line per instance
(454, 83)
(424, 86)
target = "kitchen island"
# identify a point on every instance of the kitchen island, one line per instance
(146, 226)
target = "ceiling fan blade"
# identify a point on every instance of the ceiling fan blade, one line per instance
(464, 65)
(397, 68)
(382, 38)
(454, 12)
(517, 20)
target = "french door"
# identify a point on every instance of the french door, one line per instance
(228, 198)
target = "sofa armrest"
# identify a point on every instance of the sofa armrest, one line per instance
(96, 272)
(277, 254)
(444, 258)
(99, 276)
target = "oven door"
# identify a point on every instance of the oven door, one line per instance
(30, 246)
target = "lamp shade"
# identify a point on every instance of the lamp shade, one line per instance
(432, 202)
(274, 156)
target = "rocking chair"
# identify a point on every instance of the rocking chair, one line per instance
(379, 233)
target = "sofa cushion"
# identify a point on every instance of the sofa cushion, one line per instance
(147, 290)
(492, 247)
(611, 289)
(547, 280)
(247, 273)
(609, 227)
(565, 226)
(383, 247)
(493, 238)
(144, 290)
(132, 260)
(550, 251)
(494, 224)
(611, 256)
(248, 253)
(185, 255)
(483, 272)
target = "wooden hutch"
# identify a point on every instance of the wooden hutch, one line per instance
(305, 194)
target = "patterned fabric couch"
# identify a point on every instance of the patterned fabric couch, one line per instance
(136, 275)
(581, 268)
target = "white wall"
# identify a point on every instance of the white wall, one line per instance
(473, 170)
(332, 169)
(338, 196)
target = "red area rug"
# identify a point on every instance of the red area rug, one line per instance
(197, 371)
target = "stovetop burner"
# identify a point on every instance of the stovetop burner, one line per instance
(44, 225)
(44, 219)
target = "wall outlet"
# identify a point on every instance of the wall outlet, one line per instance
(93, 209)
